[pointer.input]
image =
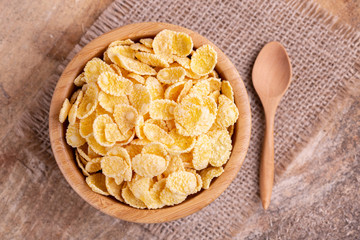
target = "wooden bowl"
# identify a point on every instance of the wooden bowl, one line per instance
(64, 154)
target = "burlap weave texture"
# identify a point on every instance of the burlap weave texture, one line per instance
(322, 58)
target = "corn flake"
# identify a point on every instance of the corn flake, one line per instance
(108, 102)
(221, 142)
(175, 164)
(151, 59)
(155, 88)
(93, 166)
(114, 84)
(148, 165)
(208, 174)
(80, 80)
(125, 116)
(132, 65)
(204, 59)
(227, 112)
(183, 144)
(182, 44)
(156, 134)
(122, 50)
(81, 164)
(227, 90)
(130, 199)
(64, 111)
(94, 68)
(121, 42)
(113, 166)
(73, 110)
(99, 126)
(162, 109)
(86, 125)
(89, 101)
(140, 98)
(171, 75)
(163, 42)
(73, 137)
(113, 188)
(136, 77)
(147, 42)
(95, 146)
(202, 152)
(97, 183)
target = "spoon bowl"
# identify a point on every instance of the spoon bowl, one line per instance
(271, 78)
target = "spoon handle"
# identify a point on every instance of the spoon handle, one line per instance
(267, 163)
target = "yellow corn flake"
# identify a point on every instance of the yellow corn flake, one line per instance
(94, 68)
(81, 164)
(140, 142)
(141, 48)
(82, 154)
(227, 90)
(73, 137)
(130, 199)
(116, 69)
(80, 80)
(181, 182)
(202, 152)
(227, 112)
(140, 187)
(100, 110)
(215, 96)
(182, 44)
(99, 126)
(136, 77)
(151, 59)
(97, 183)
(156, 149)
(101, 150)
(190, 74)
(122, 50)
(64, 111)
(182, 143)
(183, 61)
(140, 98)
(155, 191)
(210, 104)
(93, 166)
(112, 133)
(200, 89)
(163, 42)
(108, 102)
(126, 138)
(133, 149)
(170, 198)
(139, 127)
(125, 116)
(221, 142)
(89, 101)
(74, 96)
(231, 130)
(155, 88)
(213, 74)
(156, 134)
(113, 188)
(121, 42)
(113, 166)
(147, 42)
(170, 124)
(160, 123)
(171, 75)
(208, 174)
(114, 84)
(173, 91)
(132, 65)
(148, 165)
(119, 151)
(199, 182)
(187, 159)
(91, 153)
(204, 60)
(191, 117)
(215, 84)
(175, 164)
(86, 125)
(187, 86)
(162, 109)
(73, 110)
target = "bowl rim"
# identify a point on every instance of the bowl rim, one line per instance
(64, 154)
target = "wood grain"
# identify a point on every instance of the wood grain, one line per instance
(65, 157)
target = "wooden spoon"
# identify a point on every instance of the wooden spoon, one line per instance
(271, 78)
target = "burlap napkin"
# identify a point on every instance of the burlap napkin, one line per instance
(322, 53)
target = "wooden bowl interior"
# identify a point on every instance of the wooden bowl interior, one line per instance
(64, 154)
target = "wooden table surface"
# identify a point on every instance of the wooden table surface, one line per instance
(35, 38)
